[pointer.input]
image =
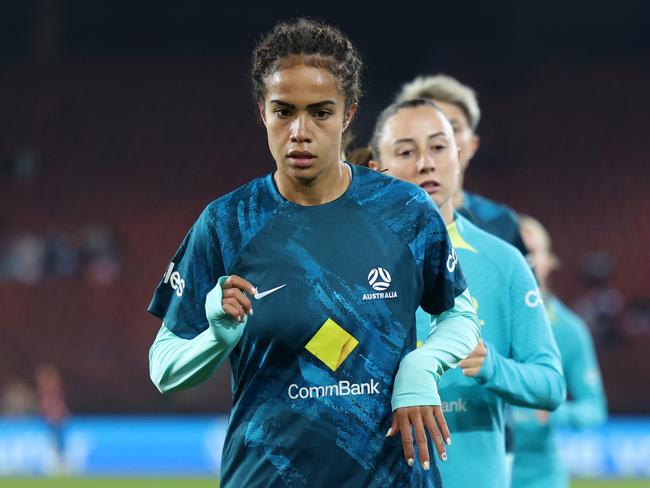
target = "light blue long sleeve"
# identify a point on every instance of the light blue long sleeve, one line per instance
(176, 363)
(538, 382)
(532, 376)
(453, 335)
(588, 406)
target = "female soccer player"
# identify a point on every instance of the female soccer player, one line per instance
(321, 338)
(518, 362)
(537, 463)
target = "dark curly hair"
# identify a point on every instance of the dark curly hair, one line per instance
(303, 36)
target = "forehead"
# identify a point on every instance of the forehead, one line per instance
(416, 123)
(301, 84)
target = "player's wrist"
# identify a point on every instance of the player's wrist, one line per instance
(222, 326)
(488, 368)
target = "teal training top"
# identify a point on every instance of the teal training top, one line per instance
(317, 369)
(537, 463)
(522, 366)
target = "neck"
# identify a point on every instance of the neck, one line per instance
(447, 212)
(327, 186)
(458, 194)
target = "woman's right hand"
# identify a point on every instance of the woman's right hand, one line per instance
(234, 301)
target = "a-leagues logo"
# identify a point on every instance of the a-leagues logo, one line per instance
(379, 279)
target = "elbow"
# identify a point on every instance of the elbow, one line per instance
(157, 372)
(557, 393)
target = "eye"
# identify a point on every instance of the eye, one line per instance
(405, 153)
(282, 112)
(322, 114)
(439, 147)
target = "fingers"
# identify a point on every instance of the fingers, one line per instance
(394, 427)
(238, 299)
(233, 309)
(234, 302)
(442, 425)
(421, 436)
(235, 281)
(479, 351)
(407, 438)
(472, 365)
(434, 432)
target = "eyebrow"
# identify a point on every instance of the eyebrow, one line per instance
(437, 134)
(311, 105)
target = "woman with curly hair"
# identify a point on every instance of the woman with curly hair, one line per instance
(321, 338)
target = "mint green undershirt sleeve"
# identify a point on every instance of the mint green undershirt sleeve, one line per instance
(176, 363)
(588, 406)
(453, 335)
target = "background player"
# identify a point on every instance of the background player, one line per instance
(519, 362)
(460, 105)
(328, 353)
(537, 463)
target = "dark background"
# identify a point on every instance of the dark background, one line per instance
(120, 121)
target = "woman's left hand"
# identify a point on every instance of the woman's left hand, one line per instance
(473, 363)
(423, 419)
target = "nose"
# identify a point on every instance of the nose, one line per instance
(299, 130)
(426, 163)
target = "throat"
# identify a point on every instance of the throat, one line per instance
(323, 188)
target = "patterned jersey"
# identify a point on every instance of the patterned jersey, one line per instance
(314, 368)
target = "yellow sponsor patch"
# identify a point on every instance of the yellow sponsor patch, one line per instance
(332, 344)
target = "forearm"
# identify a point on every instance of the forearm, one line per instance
(176, 363)
(536, 383)
(586, 412)
(454, 334)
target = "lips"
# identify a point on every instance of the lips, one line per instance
(301, 159)
(430, 186)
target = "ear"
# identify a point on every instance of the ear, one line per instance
(349, 115)
(261, 108)
(474, 145)
(374, 165)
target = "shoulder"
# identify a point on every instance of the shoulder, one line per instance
(399, 203)
(566, 318)
(503, 255)
(488, 209)
(248, 201)
(374, 186)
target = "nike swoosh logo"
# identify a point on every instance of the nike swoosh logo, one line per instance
(268, 292)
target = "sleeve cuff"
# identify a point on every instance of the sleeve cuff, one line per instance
(222, 326)
(487, 370)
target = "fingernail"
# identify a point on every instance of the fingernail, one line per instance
(425, 465)
(444, 456)
(390, 431)
(253, 291)
(250, 312)
(448, 441)
(410, 462)
(240, 318)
